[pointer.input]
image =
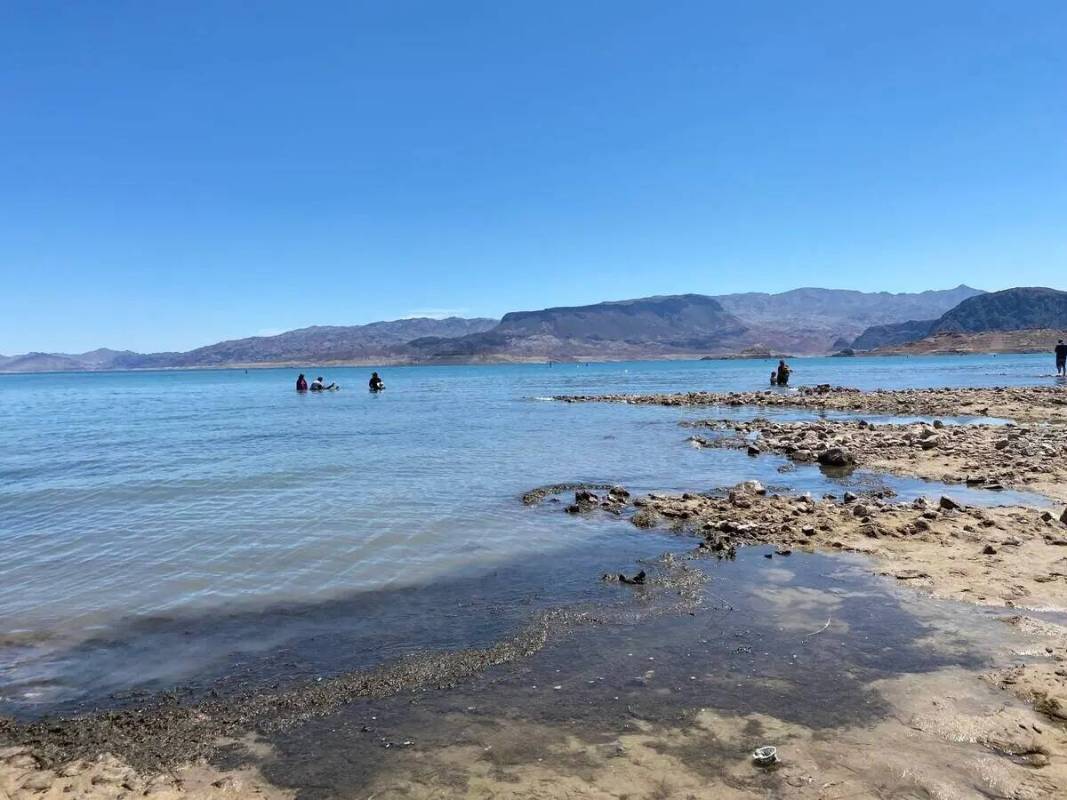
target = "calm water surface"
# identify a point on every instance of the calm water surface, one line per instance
(126, 496)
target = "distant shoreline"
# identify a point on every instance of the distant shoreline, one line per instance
(306, 365)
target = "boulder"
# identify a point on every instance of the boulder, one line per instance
(836, 457)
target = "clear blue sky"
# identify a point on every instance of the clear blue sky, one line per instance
(175, 173)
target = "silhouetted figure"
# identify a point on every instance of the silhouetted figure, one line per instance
(1061, 358)
(376, 384)
(783, 373)
(301, 383)
(318, 386)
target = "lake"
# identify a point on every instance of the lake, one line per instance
(151, 524)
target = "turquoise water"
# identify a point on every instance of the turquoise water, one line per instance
(134, 495)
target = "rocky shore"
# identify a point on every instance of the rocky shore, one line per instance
(1022, 404)
(1007, 556)
(1014, 557)
(1026, 457)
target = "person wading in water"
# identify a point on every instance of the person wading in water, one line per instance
(1061, 358)
(783, 373)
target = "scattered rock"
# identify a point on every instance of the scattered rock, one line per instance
(948, 504)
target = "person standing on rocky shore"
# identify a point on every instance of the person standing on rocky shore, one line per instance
(1061, 358)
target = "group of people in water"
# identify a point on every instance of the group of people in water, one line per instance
(319, 384)
(780, 376)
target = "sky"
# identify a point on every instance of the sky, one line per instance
(173, 174)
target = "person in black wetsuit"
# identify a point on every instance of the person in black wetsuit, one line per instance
(1061, 358)
(301, 383)
(376, 384)
(783, 373)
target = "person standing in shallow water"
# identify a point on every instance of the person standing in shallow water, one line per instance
(376, 384)
(1061, 358)
(783, 373)
(301, 383)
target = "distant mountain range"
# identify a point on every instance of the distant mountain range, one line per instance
(649, 327)
(805, 321)
(1020, 309)
(315, 345)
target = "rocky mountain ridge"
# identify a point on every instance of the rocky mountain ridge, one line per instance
(804, 321)
(1025, 308)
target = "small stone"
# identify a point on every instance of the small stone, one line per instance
(948, 504)
(989, 550)
(39, 782)
(850, 497)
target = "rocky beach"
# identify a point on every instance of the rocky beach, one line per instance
(1011, 557)
(1030, 404)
